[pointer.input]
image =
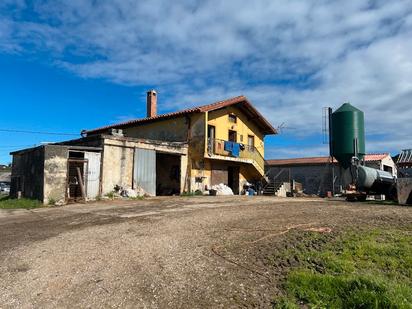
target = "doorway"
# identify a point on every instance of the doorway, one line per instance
(167, 174)
(233, 179)
(232, 136)
(76, 180)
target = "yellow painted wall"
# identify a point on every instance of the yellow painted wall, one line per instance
(243, 126)
(172, 130)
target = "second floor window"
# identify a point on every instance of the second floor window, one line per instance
(232, 136)
(232, 118)
(251, 141)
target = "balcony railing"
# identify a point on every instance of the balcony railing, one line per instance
(217, 147)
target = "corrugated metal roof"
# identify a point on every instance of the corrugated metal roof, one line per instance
(405, 156)
(320, 160)
(261, 121)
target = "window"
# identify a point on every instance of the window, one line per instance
(232, 136)
(211, 131)
(251, 140)
(232, 118)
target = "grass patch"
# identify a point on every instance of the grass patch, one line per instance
(9, 203)
(357, 269)
(192, 193)
(137, 198)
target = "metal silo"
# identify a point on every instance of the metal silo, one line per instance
(348, 134)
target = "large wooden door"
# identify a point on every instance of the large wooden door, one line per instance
(144, 174)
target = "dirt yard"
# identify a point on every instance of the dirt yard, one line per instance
(174, 252)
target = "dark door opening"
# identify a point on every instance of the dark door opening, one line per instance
(232, 136)
(167, 174)
(76, 177)
(233, 178)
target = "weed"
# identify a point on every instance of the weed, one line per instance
(111, 195)
(52, 202)
(9, 203)
(137, 198)
(192, 193)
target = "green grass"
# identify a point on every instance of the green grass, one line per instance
(358, 269)
(9, 203)
(192, 193)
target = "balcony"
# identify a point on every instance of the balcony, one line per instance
(235, 152)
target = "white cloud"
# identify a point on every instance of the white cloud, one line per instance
(290, 57)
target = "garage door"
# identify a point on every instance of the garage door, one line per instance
(144, 174)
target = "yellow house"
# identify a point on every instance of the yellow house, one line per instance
(225, 140)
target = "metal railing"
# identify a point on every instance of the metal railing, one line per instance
(216, 146)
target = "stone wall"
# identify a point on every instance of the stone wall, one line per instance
(55, 174)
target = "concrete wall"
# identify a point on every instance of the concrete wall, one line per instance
(197, 145)
(315, 179)
(118, 160)
(28, 173)
(117, 166)
(55, 173)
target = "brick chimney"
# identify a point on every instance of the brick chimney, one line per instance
(151, 101)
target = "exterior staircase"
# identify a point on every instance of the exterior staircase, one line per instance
(277, 185)
(272, 187)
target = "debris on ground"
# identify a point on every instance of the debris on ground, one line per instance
(132, 193)
(222, 189)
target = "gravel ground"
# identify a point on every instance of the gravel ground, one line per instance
(176, 252)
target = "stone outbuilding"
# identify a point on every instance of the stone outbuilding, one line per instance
(96, 165)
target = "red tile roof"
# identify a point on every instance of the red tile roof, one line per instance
(320, 160)
(376, 156)
(241, 100)
(299, 161)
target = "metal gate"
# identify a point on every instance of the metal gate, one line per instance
(93, 174)
(144, 174)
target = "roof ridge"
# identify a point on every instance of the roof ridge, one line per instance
(201, 108)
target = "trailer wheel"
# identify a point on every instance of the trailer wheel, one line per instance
(351, 198)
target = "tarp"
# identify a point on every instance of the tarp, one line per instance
(233, 148)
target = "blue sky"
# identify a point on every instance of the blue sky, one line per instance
(72, 65)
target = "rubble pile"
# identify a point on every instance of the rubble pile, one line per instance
(222, 189)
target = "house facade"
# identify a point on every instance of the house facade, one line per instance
(225, 140)
(165, 154)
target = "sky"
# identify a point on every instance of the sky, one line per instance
(80, 64)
